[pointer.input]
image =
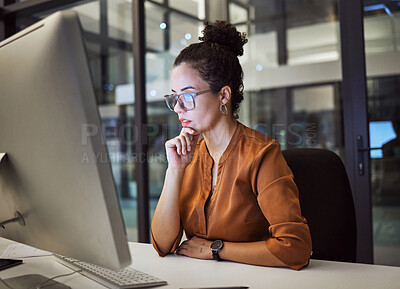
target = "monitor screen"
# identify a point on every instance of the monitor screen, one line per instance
(56, 173)
(380, 132)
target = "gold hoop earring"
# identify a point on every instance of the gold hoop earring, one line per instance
(223, 109)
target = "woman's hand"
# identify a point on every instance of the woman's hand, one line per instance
(196, 248)
(180, 150)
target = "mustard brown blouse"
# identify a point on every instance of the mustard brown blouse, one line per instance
(255, 198)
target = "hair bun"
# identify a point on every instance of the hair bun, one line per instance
(225, 34)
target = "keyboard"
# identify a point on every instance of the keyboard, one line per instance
(123, 279)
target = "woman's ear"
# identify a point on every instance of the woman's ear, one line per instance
(225, 94)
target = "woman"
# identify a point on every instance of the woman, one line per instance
(231, 191)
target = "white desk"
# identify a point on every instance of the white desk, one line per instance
(182, 271)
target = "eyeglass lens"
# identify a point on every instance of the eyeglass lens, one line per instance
(186, 101)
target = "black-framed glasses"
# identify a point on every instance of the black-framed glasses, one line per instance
(186, 100)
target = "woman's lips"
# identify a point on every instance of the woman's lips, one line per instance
(185, 122)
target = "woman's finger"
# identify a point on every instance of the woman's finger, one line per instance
(188, 130)
(174, 143)
(188, 139)
(181, 251)
(184, 143)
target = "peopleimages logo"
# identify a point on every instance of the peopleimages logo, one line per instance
(291, 135)
(124, 158)
(127, 135)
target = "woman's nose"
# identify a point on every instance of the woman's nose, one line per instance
(178, 107)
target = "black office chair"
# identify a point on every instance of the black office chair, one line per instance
(326, 202)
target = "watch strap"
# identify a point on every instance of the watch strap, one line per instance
(216, 255)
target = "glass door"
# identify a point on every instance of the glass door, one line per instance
(286, 96)
(382, 48)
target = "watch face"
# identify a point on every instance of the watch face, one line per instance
(216, 245)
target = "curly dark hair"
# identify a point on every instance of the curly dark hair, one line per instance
(216, 59)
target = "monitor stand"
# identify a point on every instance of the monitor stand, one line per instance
(17, 218)
(17, 215)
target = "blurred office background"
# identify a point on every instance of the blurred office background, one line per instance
(293, 87)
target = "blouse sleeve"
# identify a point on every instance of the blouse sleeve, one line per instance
(278, 198)
(174, 245)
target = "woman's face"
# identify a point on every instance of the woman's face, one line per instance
(206, 112)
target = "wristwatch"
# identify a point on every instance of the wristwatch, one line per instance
(216, 246)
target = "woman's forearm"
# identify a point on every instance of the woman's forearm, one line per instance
(166, 225)
(273, 252)
(255, 253)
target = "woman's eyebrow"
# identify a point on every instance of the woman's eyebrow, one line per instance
(185, 88)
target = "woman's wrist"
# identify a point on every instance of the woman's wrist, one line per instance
(177, 172)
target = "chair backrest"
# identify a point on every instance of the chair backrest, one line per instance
(326, 202)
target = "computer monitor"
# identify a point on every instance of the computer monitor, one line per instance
(56, 173)
(380, 132)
